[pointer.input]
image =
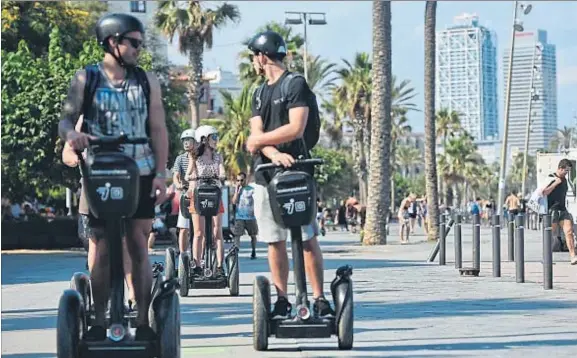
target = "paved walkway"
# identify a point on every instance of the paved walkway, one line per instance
(404, 307)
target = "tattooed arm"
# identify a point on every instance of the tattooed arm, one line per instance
(157, 120)
(71, 110)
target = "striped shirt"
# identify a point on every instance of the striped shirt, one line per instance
(180, 167)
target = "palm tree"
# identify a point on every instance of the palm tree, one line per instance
(379, 179)
(430, 134)
(319, 72)
(235, 129)
(407, 158)
(353, 97)
(293, 60)
(448, 125)
(332, 123)
(194, 25)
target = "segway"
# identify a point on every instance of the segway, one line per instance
(293, 201)
(207, 196)
(112, 180)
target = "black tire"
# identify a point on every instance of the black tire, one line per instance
(169, 328)
(233, 276)
(80, 282)
(260, 313)
(169, 264)
(344, 324)
(183, 274)
(68, 324)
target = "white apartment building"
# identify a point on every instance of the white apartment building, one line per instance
(466, 75)
(544, 109)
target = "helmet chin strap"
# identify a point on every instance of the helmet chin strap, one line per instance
(119, 58)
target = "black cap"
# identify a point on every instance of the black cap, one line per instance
(269, 43)
(116, 25)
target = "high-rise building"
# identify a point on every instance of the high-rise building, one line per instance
(466, 76)
(144, 11)
(544, 107)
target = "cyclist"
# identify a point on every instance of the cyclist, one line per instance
(179, 169)
(70, 158)
(276, 132)
(119, 89)
(207, 163)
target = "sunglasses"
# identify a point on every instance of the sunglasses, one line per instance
(135, 43)
(213, 136)
(252, 56)
(188, 140)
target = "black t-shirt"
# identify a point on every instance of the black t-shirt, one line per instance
(274, 113)
(556, 199)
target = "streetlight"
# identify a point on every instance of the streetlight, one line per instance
(517, 27)
(300, 17)
(533, 96)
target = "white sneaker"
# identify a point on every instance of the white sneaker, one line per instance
(574, 260)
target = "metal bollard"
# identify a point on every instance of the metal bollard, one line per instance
(520, 248)
(458, 243)
(511, 238)
(477, 242)
(547, 253)
(442, 241)
(496, 246)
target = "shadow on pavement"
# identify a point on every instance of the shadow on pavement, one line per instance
(478, 346)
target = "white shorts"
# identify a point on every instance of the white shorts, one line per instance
(182, 223)
(269, 231)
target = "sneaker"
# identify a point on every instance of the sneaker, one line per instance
(144, 333)
(219, 272)
(322, 308)
(95, 333)
(282, 309)
(253, 256)
(198, 271)
(574, 260)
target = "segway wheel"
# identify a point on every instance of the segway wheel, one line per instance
(260, 313)
(68, 324)
(183, 274)
(169, 328)
(81, 284)
(233, 276)
(346, 318)
(169, 263)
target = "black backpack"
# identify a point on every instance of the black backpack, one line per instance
(313, 128)
(92, 80)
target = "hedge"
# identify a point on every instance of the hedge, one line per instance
(39, 233)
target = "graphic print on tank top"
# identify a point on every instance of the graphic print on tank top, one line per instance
(122, 109)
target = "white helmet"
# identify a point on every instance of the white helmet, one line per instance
(204, 132)
(189, 133)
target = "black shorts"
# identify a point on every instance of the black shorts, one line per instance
(560, 215)
(145, 209)
(412, 216)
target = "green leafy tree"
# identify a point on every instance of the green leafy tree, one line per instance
(335, 177)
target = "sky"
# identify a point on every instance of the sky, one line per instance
(348, 31)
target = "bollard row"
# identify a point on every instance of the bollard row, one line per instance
(516, 225)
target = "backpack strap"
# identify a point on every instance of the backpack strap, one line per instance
(90, 86)
(286, 82)
(142, 80)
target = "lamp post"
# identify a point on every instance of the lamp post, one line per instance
(533, 96)
(517, 27)
(300, 17)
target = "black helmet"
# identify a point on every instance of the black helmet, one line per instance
(116, 25)
(269, 43)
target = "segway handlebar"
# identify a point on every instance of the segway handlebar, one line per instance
(298, 162)
(117, 140)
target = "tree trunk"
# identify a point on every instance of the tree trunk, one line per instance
(380, 131)
(367, 143)
(195, 83)
(360, 164)
(430, 134)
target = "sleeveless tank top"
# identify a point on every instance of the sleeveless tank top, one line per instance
(210, 168)
(122, 109)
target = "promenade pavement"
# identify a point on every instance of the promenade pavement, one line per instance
(404, 307)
